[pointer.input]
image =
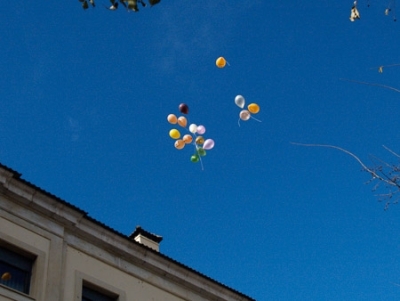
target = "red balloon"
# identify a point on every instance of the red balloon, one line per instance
(183, 108)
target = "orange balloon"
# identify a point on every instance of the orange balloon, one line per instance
(253, 108)
(172, 119)
(179, 144)
(220, 62)
(182, 121)
(187, 139)
(6, 276)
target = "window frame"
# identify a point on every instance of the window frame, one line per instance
(82, 279)
(18, 260)
(38, 269)
(108, 296)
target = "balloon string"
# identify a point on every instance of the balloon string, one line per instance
(250, 117)
(255, 119)
(196, 147)
(201, 162)
(197, 151)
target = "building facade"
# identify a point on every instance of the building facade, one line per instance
(51, 250)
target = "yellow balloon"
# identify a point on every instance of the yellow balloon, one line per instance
(182, 121)
(253, 108)
(172, 119)
(174, 134)
(220, 62)
(179, 144)
(187, 139)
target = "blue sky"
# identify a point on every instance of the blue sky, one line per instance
(85, 96)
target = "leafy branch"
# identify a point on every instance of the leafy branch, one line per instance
(130, 5)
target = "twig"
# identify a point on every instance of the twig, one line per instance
(392, 152)
(380, 68)
(371, 84)
(366, 168)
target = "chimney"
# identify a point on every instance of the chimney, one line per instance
(146, 238)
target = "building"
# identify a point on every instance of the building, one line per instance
(51, 250)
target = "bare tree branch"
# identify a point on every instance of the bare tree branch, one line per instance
(389, 150)
(343, 150)
(386, 173)
(371, 84)
(380, 68)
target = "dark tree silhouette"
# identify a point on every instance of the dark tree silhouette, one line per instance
(128, 4)
(390, 10)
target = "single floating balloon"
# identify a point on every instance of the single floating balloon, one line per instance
(187, 139)
(239, 101)
(244, 115)
(220, 62)
(208, 144)
(201, 151)
(182, 121)
(179, 144)
(199, 140)
(172, 119)
(195, 158)
(253, 108)
(193, 128)
(201, 129)
(183, 108)
(174, 134)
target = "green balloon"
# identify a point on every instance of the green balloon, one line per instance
(195, 158)
(201, 151)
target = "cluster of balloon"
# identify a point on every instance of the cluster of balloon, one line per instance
(252, 108)
(194, 137)
(221, 62)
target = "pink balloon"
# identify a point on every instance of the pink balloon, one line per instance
(208, 144)
(201, 129)
(244, 115)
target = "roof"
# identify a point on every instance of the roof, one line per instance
(140, 231)
(16, 175)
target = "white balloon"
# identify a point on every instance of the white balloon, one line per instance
(193, 128)
(239, 101)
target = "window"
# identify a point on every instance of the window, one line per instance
(89, 288)
(92, 294)
(15, 269)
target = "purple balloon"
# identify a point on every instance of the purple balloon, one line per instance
(201, 129)
(183, 108)
(208, 144)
